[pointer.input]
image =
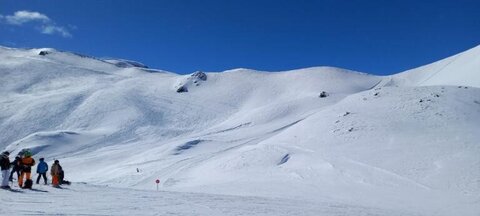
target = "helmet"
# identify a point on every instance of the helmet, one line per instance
(27, 153)
(6, 153)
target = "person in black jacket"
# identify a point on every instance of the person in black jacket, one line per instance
(5, 167)
(17, 167)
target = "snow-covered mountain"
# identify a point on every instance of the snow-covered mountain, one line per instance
(406, 142)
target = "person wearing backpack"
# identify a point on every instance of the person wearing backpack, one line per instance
(26, 162)
(56, 170)
(42, 169)
(5, 167)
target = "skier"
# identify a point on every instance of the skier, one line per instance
(16, 168)
(5, 167)
(56, 171)
(27, 162)
(42, 169)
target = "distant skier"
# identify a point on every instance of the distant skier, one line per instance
(56, 170)
(42, 169)
(5, 168)
(17, 168)
(27, 162)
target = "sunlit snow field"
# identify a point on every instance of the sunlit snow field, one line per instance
(243, 142)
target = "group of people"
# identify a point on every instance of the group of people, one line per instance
(22, 166)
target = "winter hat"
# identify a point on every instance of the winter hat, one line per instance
(6, 153)
(41, 159)
(56, 161)
(28, 154)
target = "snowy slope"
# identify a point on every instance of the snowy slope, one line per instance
(81, 199)
(125, 63)
(401, 143)
(461, 69)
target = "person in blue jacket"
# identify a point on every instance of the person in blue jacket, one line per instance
(42, 169)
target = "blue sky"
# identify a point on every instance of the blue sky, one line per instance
(379, 37)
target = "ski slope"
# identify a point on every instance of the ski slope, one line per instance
(405, 144)
(81, 199)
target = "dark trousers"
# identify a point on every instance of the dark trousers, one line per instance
(14, 171)
(44, 177)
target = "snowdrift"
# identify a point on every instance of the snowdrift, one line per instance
(462, 69)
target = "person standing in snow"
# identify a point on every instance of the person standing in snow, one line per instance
(5, 168)
(56, 170)
(26, 162)
(16, 167)
(42, 169)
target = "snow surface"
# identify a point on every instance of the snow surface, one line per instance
(125, 63)
(81, 199)
(460, 69)
(243, 141)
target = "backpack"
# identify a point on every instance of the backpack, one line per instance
(4, 162)
(28, 184)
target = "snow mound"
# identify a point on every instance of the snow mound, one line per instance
(459, 70)
(54, 144)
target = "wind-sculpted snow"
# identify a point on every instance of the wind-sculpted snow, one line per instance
(405, 144)
(125, 63)
(461, 69)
